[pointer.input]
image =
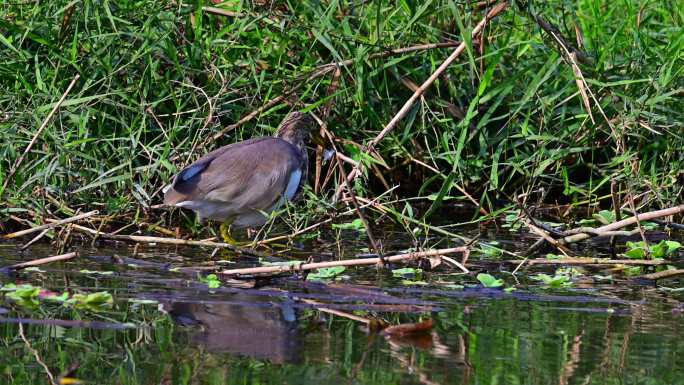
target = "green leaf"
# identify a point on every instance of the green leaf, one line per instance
(211, 280)
(356, 224)
(57, 298)
(605, 216)
(325, 273)
(636, 250)
(92, 300)
(406, 271)
(490, 250)
(8, 287)
(659, 250)
(24, 292)
(488, 280)
(557, 281)
(672, 246)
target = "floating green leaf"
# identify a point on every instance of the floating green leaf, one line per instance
(488, 280)
(211, 280)
(605, 216)
(490, 250)
(325, 273)
(557, 281)
(637, 250)
(407, 271)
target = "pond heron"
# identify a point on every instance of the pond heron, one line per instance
(239, 183)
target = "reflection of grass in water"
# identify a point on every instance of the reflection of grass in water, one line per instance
(521, 333)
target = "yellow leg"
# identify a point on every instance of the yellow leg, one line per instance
(224, 229)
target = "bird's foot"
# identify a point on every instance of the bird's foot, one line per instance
(224, 230)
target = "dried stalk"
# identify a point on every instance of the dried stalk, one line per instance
(34, 240)
(663, 274)
(591, 261)
(357, 207)
(221, 12)
(600, 231)
(168, 241)
(338, 313)
(346, 262)
(350, 190)
(51, 225)
(42, 261)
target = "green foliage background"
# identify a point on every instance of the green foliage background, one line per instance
(159, 77)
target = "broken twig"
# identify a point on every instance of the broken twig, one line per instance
(591, 261)
(346, 262)
(609, 229)
(168, 241)
(53, 223)
(663, 274)
(42, 261)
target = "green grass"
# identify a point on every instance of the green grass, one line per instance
(158, 78)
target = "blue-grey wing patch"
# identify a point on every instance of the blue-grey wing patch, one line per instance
(193, 170)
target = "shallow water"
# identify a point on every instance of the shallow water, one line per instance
(167, 327)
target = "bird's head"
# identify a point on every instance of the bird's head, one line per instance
(297, 128)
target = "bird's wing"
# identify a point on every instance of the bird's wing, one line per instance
(252, 175)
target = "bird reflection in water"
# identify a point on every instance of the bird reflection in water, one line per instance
(261, 330)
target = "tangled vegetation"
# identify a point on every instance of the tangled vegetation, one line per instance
(559, 95)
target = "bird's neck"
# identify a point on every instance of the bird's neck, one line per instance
(294, 137)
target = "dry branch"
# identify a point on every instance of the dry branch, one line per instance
(609, 229)
(346, 262)
(221, 12)
(42, 261)
(663, 274)
(168, 241)
(339, 313)
(51, 225)
(591, 261)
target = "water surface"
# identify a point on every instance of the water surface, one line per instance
(168, 327)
